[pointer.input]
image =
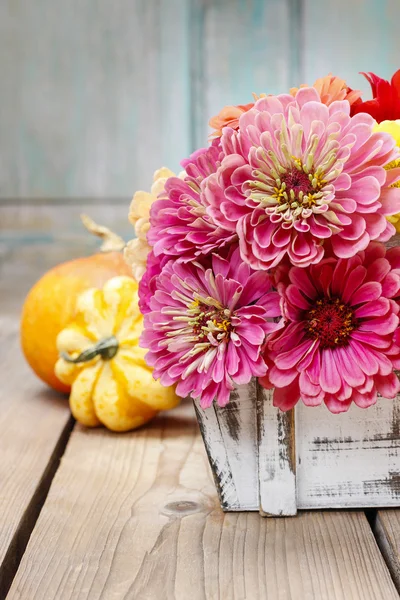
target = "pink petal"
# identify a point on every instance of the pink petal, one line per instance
(381, 325)
(301, 279)
(349, 370)
(391, 285)
(388, 386)
(336, 406)
(281, 378)
(354, 280)
(357, 227)
(364, 400)
(287, 360)
(294, 296)
(369, 291)
(364, 358)
(306, 386)
(390, 200)
(287, 397)
(329, 379)
(347, 248)
(378, 269)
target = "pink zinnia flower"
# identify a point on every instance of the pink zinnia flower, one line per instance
(148, 282)
(299, 172)
(207, 326)
(340, 341)
(180, 225)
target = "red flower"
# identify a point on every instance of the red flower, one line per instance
(385, 105)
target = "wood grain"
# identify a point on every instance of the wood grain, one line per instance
(94, 101)
(387, 532)
(364, 38)
(230, 438)
(35, 425)
(240, 47)
(136, 516)
(348, 460)
(37, 235)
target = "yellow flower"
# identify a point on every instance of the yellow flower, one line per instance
(392, 127)
(136, 250)
(100, 358)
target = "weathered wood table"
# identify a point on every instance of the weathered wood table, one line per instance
(88, 514)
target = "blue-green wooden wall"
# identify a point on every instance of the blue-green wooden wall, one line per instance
(96, 94)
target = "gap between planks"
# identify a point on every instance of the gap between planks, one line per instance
(35, 425)
(19, 541)
(137, 516)
(386, 528)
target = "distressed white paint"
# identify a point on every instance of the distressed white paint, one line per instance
(351, 460)
(348, 460)
(238, 425)
(276, 468)
(230, 437)
(217, 455)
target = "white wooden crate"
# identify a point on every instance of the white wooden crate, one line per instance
(275, 463)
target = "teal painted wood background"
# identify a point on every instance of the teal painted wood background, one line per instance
(95, 95)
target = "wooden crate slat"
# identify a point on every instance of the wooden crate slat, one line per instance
(348, 460)
(238, 426)
(277, 460)
(217, 455)
(35, 424)
(230, 438)
(137, 516)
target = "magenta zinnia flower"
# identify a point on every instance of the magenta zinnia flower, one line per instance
(207, 326)
(299, 172)
(340, 341)
(180, 225)
(148, 282)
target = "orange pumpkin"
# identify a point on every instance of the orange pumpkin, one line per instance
(50, 304)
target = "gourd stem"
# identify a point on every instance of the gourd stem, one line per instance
(111, 241)
(106, 348)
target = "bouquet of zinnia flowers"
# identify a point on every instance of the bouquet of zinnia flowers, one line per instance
(266, 257)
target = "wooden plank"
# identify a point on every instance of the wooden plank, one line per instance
(35, 424)
(96, 100)
(37, 235)
(240, 47)
(277, 457)
(137, 516)
(348, 460)
(329, 43)
(387, 532)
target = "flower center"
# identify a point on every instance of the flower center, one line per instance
(296, 189)
(331, 322)
(209, 321)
